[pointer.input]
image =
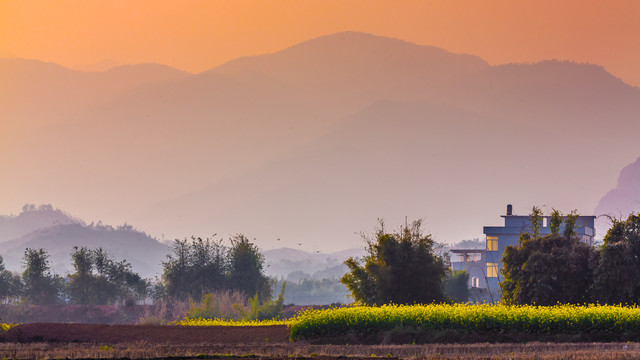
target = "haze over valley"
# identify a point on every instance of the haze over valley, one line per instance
(310, 144)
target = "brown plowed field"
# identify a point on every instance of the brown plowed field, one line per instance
(158, 334)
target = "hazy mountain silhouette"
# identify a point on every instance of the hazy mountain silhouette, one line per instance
(282, 262)
(355, 67)
(625, 198)
(554, 94)
(103, 65)
(417, 159)
(32, 218)
(124, 243)
(46, 94)
(289, 254)
(315, 142)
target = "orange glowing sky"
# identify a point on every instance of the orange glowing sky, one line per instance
(197, 35)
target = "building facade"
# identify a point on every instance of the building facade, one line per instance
(473, 261)
(499, 237)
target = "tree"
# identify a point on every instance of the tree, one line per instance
(98, 279)
(549, 269)
(9, 284)
(556, 221)
(399, 268)
(570, 224)
(4, 280)
(246, 269)
(200, 267)
(618, 268)
(536, 221)
(40, 286)
(456, 286)
(195, 268)
(175, 274)
(209, 265)
(82, 283)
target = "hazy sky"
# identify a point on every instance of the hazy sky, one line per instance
(198, 35)
(53, 147)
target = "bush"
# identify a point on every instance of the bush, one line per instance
(164, 312)
(268, 310)
(228, 305)
(399, 268)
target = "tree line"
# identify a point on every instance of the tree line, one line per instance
(559, 268)
(402, 267)
(193, 268)
(97, 279)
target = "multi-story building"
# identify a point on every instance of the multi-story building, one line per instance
(474, 262)
(499, 237)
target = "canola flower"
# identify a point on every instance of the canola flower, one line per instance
(6, 327)
(466, 318)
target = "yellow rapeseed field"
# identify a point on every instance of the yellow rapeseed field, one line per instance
(467, 318)
(502, 319)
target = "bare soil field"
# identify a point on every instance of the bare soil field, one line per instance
(143, 350)
(91, 341)
(152, 334)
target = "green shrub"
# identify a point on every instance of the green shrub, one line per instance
(270, 309)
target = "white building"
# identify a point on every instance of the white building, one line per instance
(474, 262)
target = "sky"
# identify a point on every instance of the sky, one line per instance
(197, 35)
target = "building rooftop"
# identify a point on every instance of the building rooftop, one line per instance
(479, 251)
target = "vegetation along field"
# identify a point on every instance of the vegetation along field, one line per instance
(456, 323)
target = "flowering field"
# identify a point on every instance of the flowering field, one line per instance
(499, 319)
(596, 322)
(5, 327)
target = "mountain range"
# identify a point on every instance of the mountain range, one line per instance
(312, 143)
(622, 200)
(59, 232)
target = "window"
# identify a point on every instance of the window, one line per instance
(492, 270)
(492, 243)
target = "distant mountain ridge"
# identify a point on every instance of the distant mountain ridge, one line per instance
(103, 65)
(33, 91)
(295, 265)
(350, 63)
(312, 143)
(624, 199)
(32, 218)
(58, 232)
